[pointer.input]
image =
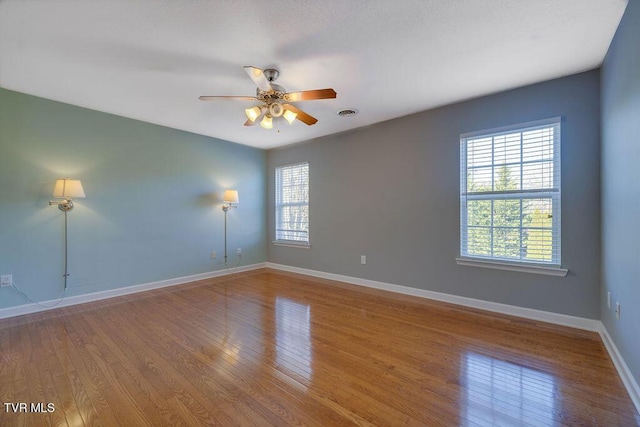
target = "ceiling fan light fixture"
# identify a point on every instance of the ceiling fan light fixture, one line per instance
(290, 116)
(253, 113)
(273, 100)
(267, 122)
(276, 109)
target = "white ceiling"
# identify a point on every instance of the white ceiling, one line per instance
(151, 59)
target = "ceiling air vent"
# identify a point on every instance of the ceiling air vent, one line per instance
(347, 112)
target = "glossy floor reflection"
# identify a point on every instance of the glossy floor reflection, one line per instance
(501, 393)
(293, 337)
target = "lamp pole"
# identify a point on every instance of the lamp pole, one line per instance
(225, 209)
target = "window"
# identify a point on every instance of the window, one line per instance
(292, 204)
(510, 194)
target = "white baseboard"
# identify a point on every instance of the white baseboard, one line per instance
(527, 313)
(623, 370)
(96, 296)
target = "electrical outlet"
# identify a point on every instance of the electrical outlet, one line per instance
(6, 280)
(618, 310)
(213, 254)
(363, 259)
(609, 299)
(239, 251)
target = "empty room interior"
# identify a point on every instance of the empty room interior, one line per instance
(320, 213)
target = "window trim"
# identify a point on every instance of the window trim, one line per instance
(292, 244)
(513, 266)
(286, 242)
(554, 267)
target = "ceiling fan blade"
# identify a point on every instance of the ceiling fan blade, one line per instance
(215, 98)
(258, 78)
(301, 115)
(250, 123)
(310, 95)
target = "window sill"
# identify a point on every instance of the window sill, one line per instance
(292, 244)
(522, 268)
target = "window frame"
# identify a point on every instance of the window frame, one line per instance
(278, 205)
(552, 267)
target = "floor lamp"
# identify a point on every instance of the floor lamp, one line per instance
(229, 200)
(66, 189)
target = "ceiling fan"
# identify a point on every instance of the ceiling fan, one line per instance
(274, 100)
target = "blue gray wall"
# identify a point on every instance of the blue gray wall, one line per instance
(153, 205)
(621, 187)
(391, 192)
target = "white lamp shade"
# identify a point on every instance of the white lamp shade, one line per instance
(230, 196)
(266, 122)
(68, 189)
(290, 116)
(253, 113)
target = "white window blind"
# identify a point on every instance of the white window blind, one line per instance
(292, 203)
(510, 194)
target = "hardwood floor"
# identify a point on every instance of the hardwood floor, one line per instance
(272, 348)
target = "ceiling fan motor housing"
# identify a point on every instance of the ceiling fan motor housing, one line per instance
(276, 94)
(271, 74)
